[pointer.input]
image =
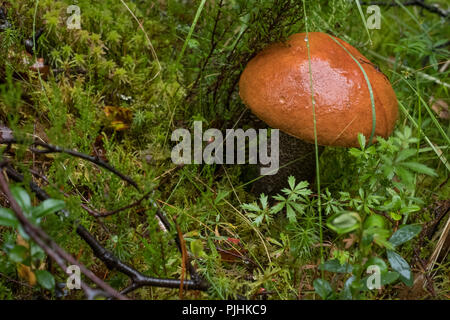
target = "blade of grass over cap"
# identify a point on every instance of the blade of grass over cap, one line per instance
(369, 86)
(319, 204)
(363, 20)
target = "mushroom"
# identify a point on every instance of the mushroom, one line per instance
(275, 85)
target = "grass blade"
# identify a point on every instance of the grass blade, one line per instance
(191, 31)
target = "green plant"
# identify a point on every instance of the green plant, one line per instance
(301, 231)
(28, 253)
(385, 176)
(294, 201)
(373, 231)
(259, 214)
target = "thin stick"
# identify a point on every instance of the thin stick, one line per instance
(112, 262)
(52, 249)
(433, 8)
(49, 148)
(152, 49)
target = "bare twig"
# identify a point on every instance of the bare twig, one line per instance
(433, 8)
(112, 262)
(98, 214)
(52, 249)
(15, 281)
(184, 257)
(49, 148)
(137, 279)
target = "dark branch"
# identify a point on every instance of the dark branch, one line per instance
(48, 148)
(53, 250)
(433, 8)
(197, 282)
(112, 262)
(138, 279)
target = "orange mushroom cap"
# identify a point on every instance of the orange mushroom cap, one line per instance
(275, 85)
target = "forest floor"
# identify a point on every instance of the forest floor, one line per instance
(115, 88)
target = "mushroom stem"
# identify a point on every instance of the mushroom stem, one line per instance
(296, 159)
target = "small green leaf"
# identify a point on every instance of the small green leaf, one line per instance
(22, 232)
(264, 200)
(301, 185)
(7, 218)
(18, 254)
(374, 221)
(291, 182)
(192, 43)
(419, 168)
(298, 207)
(277, 208)
(386, 278)
(290, 213)
(395, 216)
(389, 277)
(45, 279)
(220, 196)
(344, 222)
(346, 293)
(323, 288)
(47, 207)
(22, 198)
(355, 152)
(388, 171)
(401, 266)
(405, 175)
(335, 266)
(251, 207)
(36, 251)
(197, 248)
(383, 242)
(258, 220)
(405, 234)
(279, 198)
(362, 141)
(405, 154)
(378, 262)
(409, 209)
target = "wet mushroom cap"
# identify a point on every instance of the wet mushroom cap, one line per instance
(275, 85)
